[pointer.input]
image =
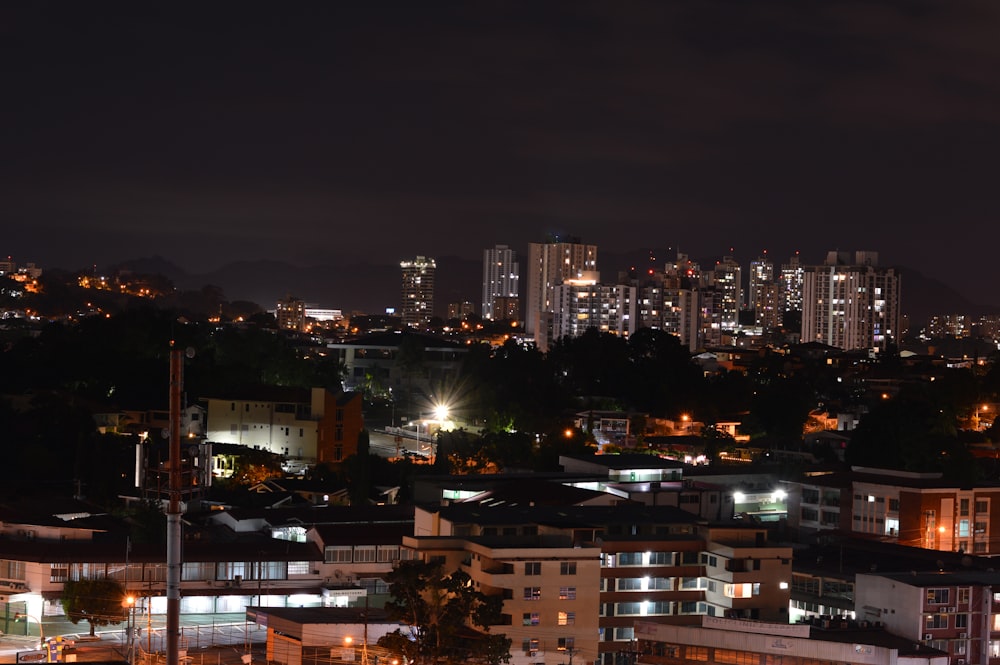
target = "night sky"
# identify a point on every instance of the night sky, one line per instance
(341, 132)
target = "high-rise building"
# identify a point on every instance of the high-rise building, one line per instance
(500, 280)
(760, 291)
(550, 264)
(790, 286)
(850, 303)
(291, 314)
(726, 277)
(418, 291)
(582, 304)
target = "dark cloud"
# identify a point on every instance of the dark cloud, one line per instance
(330, 131)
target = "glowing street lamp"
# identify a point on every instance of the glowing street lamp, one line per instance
(41, 629)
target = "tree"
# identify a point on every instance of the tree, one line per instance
(98, 602)
(438, 608)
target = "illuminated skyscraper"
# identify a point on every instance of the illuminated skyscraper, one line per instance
(760, 292)
(726, 277)
(549, 265)
(790, 286)
(500, 281)
(291, 314)
(418, 291)
(850, 302)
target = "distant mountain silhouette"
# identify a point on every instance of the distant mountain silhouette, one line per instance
(371, 288)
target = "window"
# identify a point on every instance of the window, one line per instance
(938, 596)
(364, 554)
(628, 609)
(564, 643)
(532, 593)
(963, 507)
(567, 568)
(696, 653)
(894, 505)
(388, 553)
(982, 506)
(530, 647)
(298, 568)
(630, 584)
(567, 593)
(529, 619)
(566, 618)
(661, 558)
(630, 559)
(338, 554)
(936, 621)
(745, 590)
(533, 568)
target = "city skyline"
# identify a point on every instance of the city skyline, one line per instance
(354, 134)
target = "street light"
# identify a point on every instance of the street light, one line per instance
(41, 629)
(128, 603)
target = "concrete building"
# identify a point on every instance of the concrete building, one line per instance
(850, 302)
(954, 612)
(549, 265)
(915, 509)
(635, 561)
(717, 640)
(417, 295)
(727, 278)
(291, 314)
(501, 275)
(314, 425)
(790, 286)
(581, 304)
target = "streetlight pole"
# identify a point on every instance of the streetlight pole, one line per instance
(41, 628)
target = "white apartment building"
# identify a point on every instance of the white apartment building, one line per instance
(850, 302)
(500, 279)
(580, 304)
(549, 265)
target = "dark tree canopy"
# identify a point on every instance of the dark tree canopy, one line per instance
(447, 619)
(98, 601)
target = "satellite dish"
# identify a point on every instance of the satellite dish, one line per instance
(189, 352)
(193, 451)
(165, 433)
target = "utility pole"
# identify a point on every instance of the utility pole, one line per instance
(174, 510)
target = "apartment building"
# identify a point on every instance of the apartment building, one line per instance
(955, 612)
(850, 302)
(315, 425)
(417, 291)
(652, 562)
(500, 282)
(743, 642)
(550, 264)
(232, 558)
(916, 509)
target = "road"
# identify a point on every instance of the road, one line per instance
(386, 444)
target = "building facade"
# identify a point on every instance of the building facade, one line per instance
(549, 265)
(850, 302)
(501, 275)
(314, 425)
(954, 612)
(417, 296)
